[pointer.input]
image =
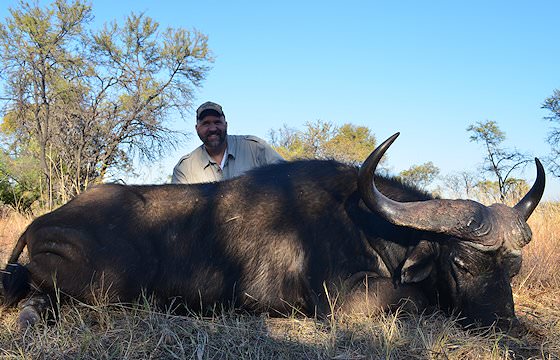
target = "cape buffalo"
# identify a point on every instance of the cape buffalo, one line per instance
(287, 236)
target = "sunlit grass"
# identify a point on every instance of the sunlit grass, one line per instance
(140, 332)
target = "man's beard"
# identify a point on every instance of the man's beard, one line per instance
(215, 142)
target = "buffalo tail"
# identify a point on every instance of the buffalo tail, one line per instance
(15, 281)
(15, 278)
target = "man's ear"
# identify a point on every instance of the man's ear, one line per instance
(419, 263)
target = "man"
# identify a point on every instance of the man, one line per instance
(221, 156)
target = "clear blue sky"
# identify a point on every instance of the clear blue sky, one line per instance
(425, 68)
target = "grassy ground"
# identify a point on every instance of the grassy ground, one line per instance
(140, 332)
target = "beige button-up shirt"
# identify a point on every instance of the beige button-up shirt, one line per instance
(244, 152)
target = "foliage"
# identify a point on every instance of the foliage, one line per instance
(488, 192)
(420, 175)
(83, 102)
(348, 143)
(552, 104)
(498, 161)
(18, 182)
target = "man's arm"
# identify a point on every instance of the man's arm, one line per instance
(180, 171)
(270, 155)
(265, 153)
(178, 176)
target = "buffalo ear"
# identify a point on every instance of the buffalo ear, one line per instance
(419, 263)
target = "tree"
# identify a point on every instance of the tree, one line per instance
(308, 144)
(461, 184)
(348, 143)
(288, 142)
(552, 104)
(420, 175)
(488, 192)
(18, 186)
(498, 161)
(37, 67)
(88, 101)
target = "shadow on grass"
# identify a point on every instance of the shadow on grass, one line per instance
(140, 332)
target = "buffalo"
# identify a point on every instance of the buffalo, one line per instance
(282, 238)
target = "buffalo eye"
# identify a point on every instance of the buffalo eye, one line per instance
(477, 227)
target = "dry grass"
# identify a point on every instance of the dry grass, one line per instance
(12, 225)
(541, 258)
(141, 332)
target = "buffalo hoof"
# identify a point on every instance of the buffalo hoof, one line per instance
(31, 311)
(28, 317)
(513, 327)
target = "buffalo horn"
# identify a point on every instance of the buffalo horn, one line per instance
(526, 205)
(465, 219)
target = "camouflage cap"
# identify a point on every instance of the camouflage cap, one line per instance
(209, 105)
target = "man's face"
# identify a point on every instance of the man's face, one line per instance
(212, 130)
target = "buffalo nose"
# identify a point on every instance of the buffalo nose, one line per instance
(512, 326)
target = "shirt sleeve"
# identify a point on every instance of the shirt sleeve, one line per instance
(270, 156)
(179, 176)
(265, 153)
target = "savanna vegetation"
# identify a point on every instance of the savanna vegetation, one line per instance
(79, 104)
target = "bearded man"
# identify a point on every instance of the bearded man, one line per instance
(221, 156)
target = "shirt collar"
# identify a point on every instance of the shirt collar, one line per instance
(206, 160)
